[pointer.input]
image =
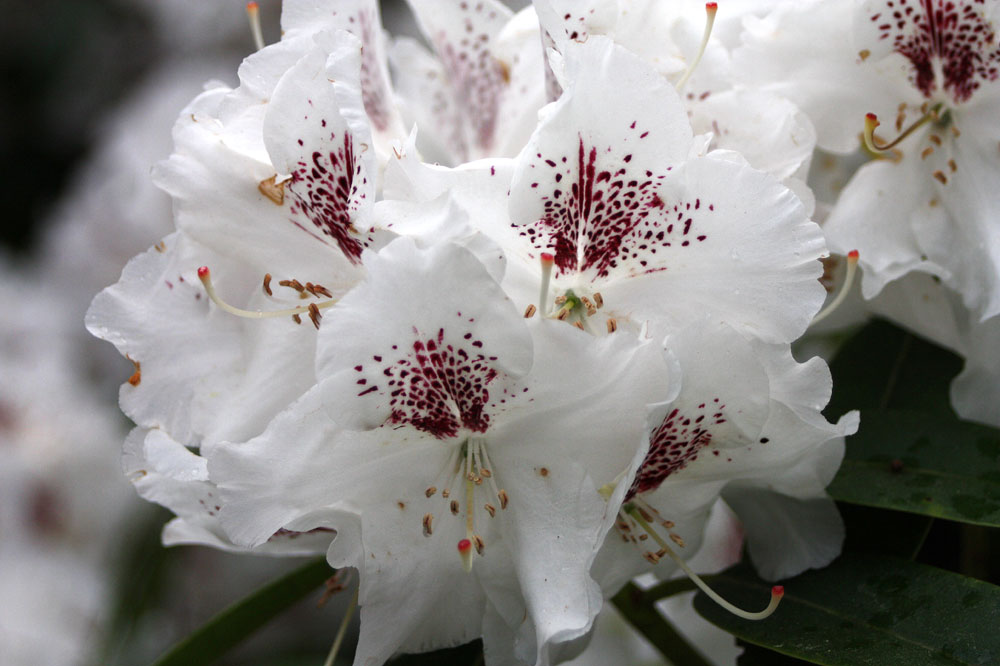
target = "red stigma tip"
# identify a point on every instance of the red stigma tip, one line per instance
(871, 116)
(711, 6)
(548, 257)
(464, 545)
(203, 272)
(251, 6)
(778, 591)
(853, 254)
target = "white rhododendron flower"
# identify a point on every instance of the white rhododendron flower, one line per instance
(747, 425)
(927, 75)
(473, 456)
(767, 129)
(470, 383)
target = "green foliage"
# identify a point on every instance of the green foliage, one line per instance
(239, 621)
(868, 609)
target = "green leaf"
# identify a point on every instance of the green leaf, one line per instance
(883, 531)
(885, 367)
(867, 609)
(470, 654)
(239, 621)
(924, 464)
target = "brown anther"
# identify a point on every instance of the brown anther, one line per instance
(952, 166)
(480, 544)
(591, 311)
(863, 54)
(562, 314)
(612, 325)
(955, 132)
(311, 288)
(401, 505)
(578, 324)
(267, 284)
(137, 375)
(485, 473)
(454, 507)
(645, 514)
(559, 300)
(586, 302)
(446, 493)
(530, 311)
(643, 537)
(598, 300)
(272, 189)
(314, 314)
(161, 247)
(428, 524)
(676, 538)
(669, 524)
(294, 284)
(478, 480)
(490, 509)
(900, 119)
(661, 552)
(544, 471)
(430, 491)
(939, 175)
(926, 152)
(504, 71)
(502, 495)
(935, 139)
(297, 319)
(653, 558)
(322, 291)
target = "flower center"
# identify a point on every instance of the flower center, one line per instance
(467, 471)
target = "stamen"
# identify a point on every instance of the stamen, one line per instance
(312, 309)
(490, 509)
(852, 267)
(430, 491)
(612, 325)
(548, 261)
(267, 284)
(598, 300)
(529, 311)
(253, 13)
(454, 507)
(500, 493)
(871, 122)
(777, 592)
(479, 543)
(710, 9)
(342, 631)
(428, 524)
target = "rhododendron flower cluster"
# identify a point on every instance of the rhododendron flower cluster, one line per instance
(498, 322)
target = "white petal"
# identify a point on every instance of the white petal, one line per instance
(419, 311)
(785, 535)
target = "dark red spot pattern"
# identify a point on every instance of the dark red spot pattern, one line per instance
(324, 189)
(602, 212)
(439, 385)
(675, 444)
(954, 33)
(462, 37)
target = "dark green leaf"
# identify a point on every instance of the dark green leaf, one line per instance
(925, 464)
(883, 531)
(243, 618)
(885, 367)
(867, 609)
